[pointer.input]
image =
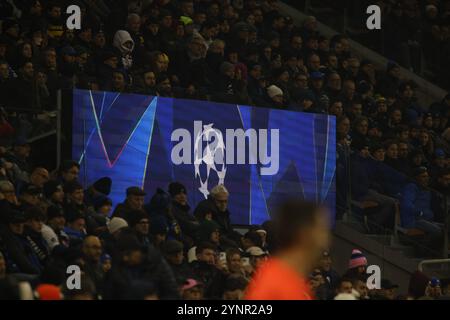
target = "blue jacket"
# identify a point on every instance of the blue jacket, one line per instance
(415, 204)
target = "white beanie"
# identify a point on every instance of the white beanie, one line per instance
(274, 91)
(345, 296)
(116, 224)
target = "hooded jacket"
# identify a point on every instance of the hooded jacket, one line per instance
(120, 38)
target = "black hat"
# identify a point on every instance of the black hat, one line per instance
(135, 216)
(15, 216)
(50, 188)
(158, 225)
(172, 247)
(54, 212)
(100, 201)
(176, 188)
(103, 185)
(387, 284)
(135, 191)
(34, 213)
(128, 242)
(160, 202)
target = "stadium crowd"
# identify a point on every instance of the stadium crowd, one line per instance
(391, 149)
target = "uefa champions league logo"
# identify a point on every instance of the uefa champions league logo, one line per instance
(238, 147)
(212, 157)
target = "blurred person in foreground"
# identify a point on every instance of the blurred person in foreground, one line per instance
(302, 231)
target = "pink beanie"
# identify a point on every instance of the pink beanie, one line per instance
(357, 260)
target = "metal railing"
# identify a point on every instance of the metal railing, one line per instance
(43, 124)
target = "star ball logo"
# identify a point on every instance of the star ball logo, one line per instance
(214, 152)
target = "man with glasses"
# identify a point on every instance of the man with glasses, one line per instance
(301, 81)
(140, 223)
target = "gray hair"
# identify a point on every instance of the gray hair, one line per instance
(219, 189)
(132, 16)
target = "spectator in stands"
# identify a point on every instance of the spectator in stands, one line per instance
(20, 155)
(180, 209)
(39, 177)
(173, 252)
(357, 265)
(330, 275)
(416, 209)
(124, 43)
(139, 221)
(69, 171)
(366, 192)
(33, 234)
(257, 257)
(208, 231)
(133, 201)
(192, 290)
(92, 251)
(136, 265)
(234, 263)
(205, 269)
(74, 195)
(360, 286)
(217, 206)
(345, 286)
(234, 288)
(53, 230)
(76, 226)
(29, 197)
(99, 189)
(21, 256)
(159, 231)
(54, 194)
(388, 290)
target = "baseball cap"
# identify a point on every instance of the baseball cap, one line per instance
(191, 283)
(256, 252)
(387, 284)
